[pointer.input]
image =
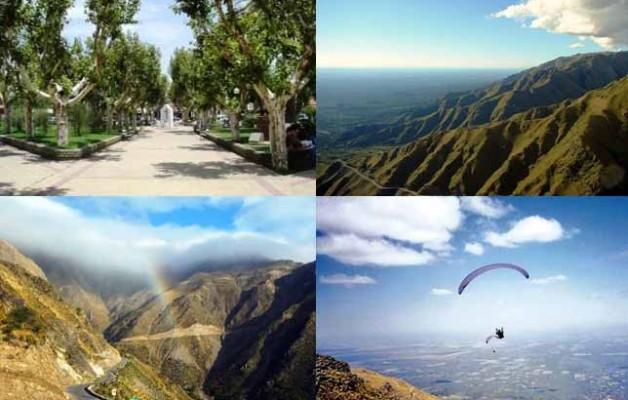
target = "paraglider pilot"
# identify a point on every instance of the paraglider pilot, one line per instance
(499, 333)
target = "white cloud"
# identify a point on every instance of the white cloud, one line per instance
(354, 250)
(619, 255)
(474, 248)
(347, 280)
(577, 45)
(429, 221)
(605, 22)
(157, 24)
(47, 227)
(485, 206)
(527, 230)
(548, 280)
(441, 292)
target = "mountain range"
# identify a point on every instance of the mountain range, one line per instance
(335, 380)
(560, 128)
(224, 334)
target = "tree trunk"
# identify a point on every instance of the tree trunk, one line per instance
(134, 123)
(277, 128)
(7, 117)
(63, 137)
(234, 124)
(28, 118)
(109, 119)
(121, 120)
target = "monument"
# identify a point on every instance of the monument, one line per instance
(167, 116)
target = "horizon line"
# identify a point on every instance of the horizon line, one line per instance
(413, 68)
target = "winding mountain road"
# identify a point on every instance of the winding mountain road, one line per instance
(367, 178)
(82, 392)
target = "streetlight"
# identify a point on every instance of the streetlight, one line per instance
(236, 91)
(250, 107)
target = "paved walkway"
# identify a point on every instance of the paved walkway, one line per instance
(156, 162)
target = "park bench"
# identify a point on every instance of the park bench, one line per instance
(256, 137)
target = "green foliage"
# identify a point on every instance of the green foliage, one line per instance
(249, 121)
(80, 118)
(22, 319)
(76, 142)
(131, 75)
(41, 120)
(17, 118)
(310, 124)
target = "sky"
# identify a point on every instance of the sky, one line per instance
(392, 266)
(138, 233)
(465, 33)
(156, 24)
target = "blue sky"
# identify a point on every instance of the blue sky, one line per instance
(156, 24)
(141, 232)
(393, 267)
(464, 33)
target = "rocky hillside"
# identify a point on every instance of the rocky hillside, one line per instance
(45, 344)
(137, 380)
(574, 147)
(9, 255)
(550, 83)
(336, 381)
(241, 334)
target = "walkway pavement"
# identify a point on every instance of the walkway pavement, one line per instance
(156, 162)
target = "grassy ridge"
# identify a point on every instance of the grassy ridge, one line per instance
(550, 83)
(575, 147)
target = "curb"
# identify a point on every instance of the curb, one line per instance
(57, 154)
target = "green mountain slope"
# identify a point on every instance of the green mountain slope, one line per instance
(574, 147)
(555, 81)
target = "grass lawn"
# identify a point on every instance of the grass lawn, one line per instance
(245, 133)
(76, 141)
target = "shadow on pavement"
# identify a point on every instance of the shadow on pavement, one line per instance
(107, 155)
(7, 189)
(211, 169)
(7, 152)
(202, 146)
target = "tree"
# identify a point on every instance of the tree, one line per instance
(222, 85)
(183, 80)
(52, 76)
(13, 15)
(273, 40)
(130, 72)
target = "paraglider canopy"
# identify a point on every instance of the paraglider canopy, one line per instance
(467, 280)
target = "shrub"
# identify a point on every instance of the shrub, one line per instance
(22, 319)
(80, 116)
(249, 121)
(41, 120)
(17, 118)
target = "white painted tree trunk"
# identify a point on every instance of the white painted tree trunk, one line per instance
(277, 132)
(63, 137)
(234, 124)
